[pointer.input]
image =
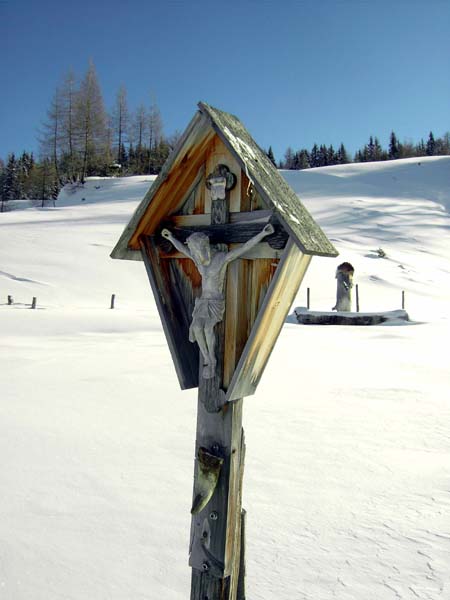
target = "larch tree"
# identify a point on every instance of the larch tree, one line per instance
(140, 131)
(51, 134)
(120, 123)
(90, 122)
(155, 136)
(68, 131)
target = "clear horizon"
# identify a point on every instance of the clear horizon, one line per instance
(296, 73)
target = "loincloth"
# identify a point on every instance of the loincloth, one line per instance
(207, 311)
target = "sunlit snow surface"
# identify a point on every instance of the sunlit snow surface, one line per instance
(347, 482)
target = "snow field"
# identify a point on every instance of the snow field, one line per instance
(348, 446)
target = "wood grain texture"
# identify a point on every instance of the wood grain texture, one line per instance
(217, 154)
(268, 182)
(271, 316)
(173, 285)
(230, 233)
(214, 528)
(197, 128)
(172, 192)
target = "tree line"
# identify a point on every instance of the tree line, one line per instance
(323, 156)
(80, 138)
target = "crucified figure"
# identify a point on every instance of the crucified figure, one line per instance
(210, 307)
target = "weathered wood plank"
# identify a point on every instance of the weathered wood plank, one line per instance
(235, 550)
(268, 182)
(349, 318)
(206, 587)
(269, 322)
(236, 316)
(166, 285)
(232, 233)
(212, 529)
(173, 190)
(242, 566)
(218, 154)
(261, 250)
(187, 207)
(184, 220)
(197, 127)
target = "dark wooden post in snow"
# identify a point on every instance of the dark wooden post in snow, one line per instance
(245, 305)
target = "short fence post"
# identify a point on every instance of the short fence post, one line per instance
(308, 298)
(33, 304)
(113, 298)
(403, 299)
(357, 297)
(10, 300)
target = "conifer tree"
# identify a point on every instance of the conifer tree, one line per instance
(314, 156)
(342, 156)
(394, 146)
(11, 180)
(271, 156)
(302, 159)
(431, 145)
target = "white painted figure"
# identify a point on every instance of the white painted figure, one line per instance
(210, 307)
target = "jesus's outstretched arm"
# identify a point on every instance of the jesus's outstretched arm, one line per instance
(178, 245)
(233, 254)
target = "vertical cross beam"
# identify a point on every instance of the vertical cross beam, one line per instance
(216, 555)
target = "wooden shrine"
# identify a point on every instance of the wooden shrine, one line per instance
(226, 243)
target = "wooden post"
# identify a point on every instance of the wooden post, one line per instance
(403, 299)
(215, 553)
(308, 298)
(216, 550)
(33, 304)
(357, 297)
(113, 298)
(241, 580)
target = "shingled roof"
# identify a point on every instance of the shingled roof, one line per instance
(272, 187)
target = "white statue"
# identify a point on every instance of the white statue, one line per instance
(210, 307)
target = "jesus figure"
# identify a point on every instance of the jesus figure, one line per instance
(210, 307)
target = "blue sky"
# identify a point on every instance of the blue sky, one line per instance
(294, 71)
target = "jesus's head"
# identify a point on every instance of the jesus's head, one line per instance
(199, 247)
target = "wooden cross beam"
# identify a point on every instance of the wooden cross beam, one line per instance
(234, 233)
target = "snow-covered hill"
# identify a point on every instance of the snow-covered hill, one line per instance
(348, 447)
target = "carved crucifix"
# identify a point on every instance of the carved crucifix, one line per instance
(212, 265)
(216, 548)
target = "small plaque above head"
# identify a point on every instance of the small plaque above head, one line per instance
(220, 181)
